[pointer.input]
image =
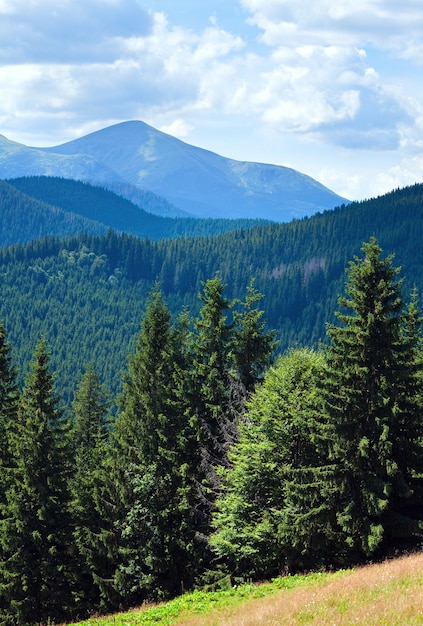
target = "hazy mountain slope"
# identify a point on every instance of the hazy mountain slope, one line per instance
(193, 180)
(92, 202)
(198, 181)
(145, 199)
(95, 204)
(19, 160)
(23, 218)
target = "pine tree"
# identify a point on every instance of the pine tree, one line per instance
(404, 519)
(213, 374)
(9, 397)
(253, 344)
(35, 531)
(156, 457)
(370, 398)
(89, 442)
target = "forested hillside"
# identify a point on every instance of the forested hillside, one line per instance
(87, 293)
(44, 205)
(23, 218)
(221, 464)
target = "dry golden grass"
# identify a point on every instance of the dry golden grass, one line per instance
(388, 594)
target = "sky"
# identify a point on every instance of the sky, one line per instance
(331, 88)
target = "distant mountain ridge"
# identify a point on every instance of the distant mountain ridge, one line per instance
(38, 206)
(198, 182)
(86, 294)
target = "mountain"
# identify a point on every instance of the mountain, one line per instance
(146, 200)
(36, 206)
(23, 218)
(86, 294)
(19, 160)
(196, 181)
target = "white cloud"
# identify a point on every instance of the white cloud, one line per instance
(362, 22)
(178, 128)
(328, 73)
(69, 31)
(158, 75)
(407, 172)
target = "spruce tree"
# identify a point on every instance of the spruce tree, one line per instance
(231, 349)
(155, 460)
(371, 403)
(213, 374)
(253, 345)
(36, 532)
(9, 393)
(9, 397)
(403, 520)
(89, 442)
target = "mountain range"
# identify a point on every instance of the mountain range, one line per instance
(86, 293)
(39, 206)
(139, 162)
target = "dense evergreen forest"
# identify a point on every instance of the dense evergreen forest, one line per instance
(86, 294)
(59, 206)
(221, 463)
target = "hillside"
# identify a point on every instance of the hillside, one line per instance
(19, 160)
(87, 293)
(63, 207)
(386, 593)
(196, 181)
(23, 218)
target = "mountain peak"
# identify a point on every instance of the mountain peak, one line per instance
(197, 181)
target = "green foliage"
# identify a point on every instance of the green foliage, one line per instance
(328, 467)
(87, 294)
(370, 398)
(89, 208)
(155, 456)
(9, 398)
(89, 444)
(201, 602)
(35, 530)
(313, 462)
(211, 366)
(253, 345)
(258, 527)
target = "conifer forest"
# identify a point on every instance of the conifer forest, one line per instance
(224, 456)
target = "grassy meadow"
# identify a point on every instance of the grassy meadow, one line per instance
(388, 593)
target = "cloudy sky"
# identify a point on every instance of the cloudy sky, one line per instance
(332, 88)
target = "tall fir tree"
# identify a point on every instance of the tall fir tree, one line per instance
(9, 398)
(156, 460)
(230, 351)
(370, 399)
(403, 519)
(213, 376)
(9, 395)
(89, 443)
(36, 533)
(253, 345)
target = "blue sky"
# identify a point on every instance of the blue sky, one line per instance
(331, 88)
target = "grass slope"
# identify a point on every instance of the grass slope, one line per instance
(388, 593)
